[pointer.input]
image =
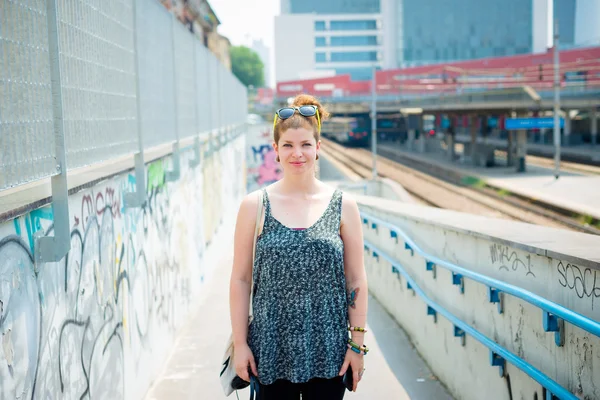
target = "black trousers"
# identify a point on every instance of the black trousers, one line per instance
(315, 389)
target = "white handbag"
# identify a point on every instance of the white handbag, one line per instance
(229, 379)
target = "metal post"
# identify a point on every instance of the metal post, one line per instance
(594, 121)
(138, 197)
(174, 173)
(374, 122)
(556, 105)
(54, 248)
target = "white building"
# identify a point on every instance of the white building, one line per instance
(337, 37)
(263, 52)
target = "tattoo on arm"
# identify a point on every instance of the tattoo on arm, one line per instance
(352, 295)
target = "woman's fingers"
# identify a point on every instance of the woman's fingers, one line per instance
(253, 367)
(344, 366)
(356, 377)
(243, 373)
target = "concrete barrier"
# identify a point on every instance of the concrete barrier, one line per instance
(561, 266)
(101, 322)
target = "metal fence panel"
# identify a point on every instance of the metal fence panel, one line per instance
(223, 94)
(213, 80)
(183, 45)
(155, 73)
(27, 149)
(203, 102)
(97, 63)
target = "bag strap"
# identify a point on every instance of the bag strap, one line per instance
(259, 211)
(257, 223)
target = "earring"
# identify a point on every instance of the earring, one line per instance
(277, 158)
(317, 156)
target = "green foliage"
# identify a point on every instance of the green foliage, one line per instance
(247, 66)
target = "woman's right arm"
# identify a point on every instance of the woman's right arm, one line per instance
(240, 283)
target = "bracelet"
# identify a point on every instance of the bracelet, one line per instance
(357, 348)
(357, 329)
(357, 351)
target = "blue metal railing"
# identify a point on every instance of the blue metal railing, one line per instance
(552, 310)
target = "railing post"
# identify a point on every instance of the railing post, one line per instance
(175, 173)
(137, 198)
(54, 248)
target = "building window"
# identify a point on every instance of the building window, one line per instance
(335, 6)
(362, 25)
(320, 57)
(353, 40)
(320, 41)
(319, 25)
(353, 56)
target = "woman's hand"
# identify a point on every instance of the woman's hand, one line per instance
(356, 361)
(243, 358)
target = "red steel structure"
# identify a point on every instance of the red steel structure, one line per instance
(579, 68)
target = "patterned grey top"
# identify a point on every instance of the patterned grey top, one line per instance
(300, 310)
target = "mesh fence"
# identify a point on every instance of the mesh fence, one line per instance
(185, 81)
(203, 103)
(128, 71)
(97, 63)
(155, 73)
(26, 126)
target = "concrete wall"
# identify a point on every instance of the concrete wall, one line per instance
(555, 264)
(101, 322)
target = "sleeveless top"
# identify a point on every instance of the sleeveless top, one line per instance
(299, 329)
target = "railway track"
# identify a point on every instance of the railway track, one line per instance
(441, 193)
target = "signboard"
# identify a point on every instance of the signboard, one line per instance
(531, 123)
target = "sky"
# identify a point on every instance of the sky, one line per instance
(243, 21)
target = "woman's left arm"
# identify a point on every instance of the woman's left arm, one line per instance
(356, 279)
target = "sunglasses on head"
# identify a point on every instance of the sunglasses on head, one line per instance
(305, 111)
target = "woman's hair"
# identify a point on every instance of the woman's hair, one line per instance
(300, 121)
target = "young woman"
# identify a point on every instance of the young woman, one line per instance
(309, 301)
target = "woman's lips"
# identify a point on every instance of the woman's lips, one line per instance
(296, 163)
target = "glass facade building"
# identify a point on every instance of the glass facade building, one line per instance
(435, 31)
(564, 11)
(333, 6)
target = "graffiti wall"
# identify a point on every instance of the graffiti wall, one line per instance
(100, 323)
(262, 167)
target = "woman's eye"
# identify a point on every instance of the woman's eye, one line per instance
(307, 144)
(287, 145)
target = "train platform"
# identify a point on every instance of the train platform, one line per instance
(577, 153)
(393, 368)
(575, 192)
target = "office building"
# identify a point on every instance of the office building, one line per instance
(587, 28)
(437, 31)
(315, 38)
(319, 38)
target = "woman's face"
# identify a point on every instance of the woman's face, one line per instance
(297, 150)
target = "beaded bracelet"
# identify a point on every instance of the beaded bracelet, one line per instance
(357, 351)
(357, 348)
(357, 329)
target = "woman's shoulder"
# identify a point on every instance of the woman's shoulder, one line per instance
(252, 198)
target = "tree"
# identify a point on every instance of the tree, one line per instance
(247, 66)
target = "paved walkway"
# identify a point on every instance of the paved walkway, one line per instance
(393, 368)
(577, 192)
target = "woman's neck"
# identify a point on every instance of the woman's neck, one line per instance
(305, 183)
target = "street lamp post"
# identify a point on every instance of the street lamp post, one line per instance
(374, 122)
(556, 105)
